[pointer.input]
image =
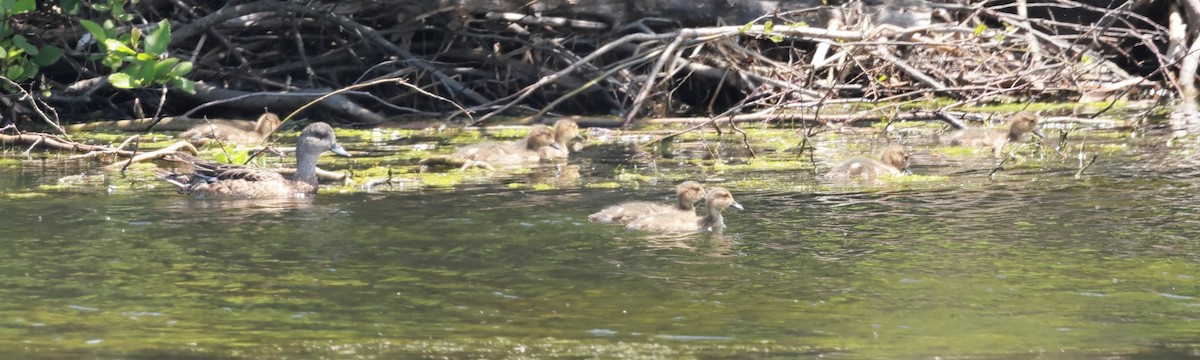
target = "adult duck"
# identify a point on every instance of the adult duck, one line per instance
(210, 180)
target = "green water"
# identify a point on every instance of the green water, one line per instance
(1032, 263)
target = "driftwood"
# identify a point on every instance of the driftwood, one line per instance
(636, 59)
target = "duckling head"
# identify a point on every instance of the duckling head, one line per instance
(689, 192)
(1021, 124)
(719, 199)
(540, 136)
(897, 157)
(565, 130)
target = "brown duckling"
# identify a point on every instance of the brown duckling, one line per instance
(529, 150)
(210, 180)
(564, 131)
(717, 200)
(201, 134)
(894, 160)
(1021, 124)
(537, 145)
(687, 193)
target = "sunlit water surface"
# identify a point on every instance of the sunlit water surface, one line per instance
(1031, 263)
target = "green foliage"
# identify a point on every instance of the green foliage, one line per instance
(21, 60)
(137, 60)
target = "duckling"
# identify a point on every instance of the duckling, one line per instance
(1021, 123)
(687, 193)
(717, 200)
(564, 131)
(263, 127)
(210, 180)
(487, 155)
(894, 160)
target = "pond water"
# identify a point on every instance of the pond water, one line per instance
(1030, 262)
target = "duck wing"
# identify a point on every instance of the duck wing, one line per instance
(214, 171)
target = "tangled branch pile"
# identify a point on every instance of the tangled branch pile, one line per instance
(495, 58)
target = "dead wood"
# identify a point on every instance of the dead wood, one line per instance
(475, 60)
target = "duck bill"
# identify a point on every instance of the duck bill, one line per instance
(735, 205)
(337, 149)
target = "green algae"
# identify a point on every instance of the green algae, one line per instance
(391, 156)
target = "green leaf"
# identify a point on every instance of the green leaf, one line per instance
(20, 42)
(15, 72)
(768, 26)
(145, 57)
(22, 6)
(182, 69)
(135, 36)
(184, 85)
(980, 29)
(746, 28)
(112, 61)
(3, 53)
(71, 7)
(776, 38)
(162, 68)
(94, 29)
(114, 45)
(101, 7)
(48, 55)
(120, 81)
(158, 40)
(145, 74)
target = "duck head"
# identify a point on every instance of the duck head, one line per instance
(1021, 124)
(564, 131)
(689, 192)
(897, 157)
(267, 123)
(317, 138)
(540, 136)
(719, 199)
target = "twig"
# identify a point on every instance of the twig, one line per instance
(1079, 173)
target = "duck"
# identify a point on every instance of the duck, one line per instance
(893, 160)
(211, 180)
(1021, 124)
(564, 131)
(716, 201)
(204, 133)
(536, 146)
(687, 194)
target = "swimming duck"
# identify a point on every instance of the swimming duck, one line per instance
(717, 200)
(263, 127)
(894, 160)
(210, 180)
(538, 145)
(687, 193)
(1021, 124)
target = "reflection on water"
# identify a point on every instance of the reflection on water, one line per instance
(1031, 262)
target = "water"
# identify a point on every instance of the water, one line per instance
(1032, 262)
